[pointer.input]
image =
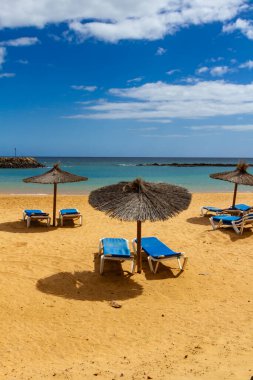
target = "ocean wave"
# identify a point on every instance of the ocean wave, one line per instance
(125, 164)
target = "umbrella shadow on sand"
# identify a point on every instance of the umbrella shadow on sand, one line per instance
(247, 233)
(164, 272)
(19, 226)
(115, 268)
(201, 220)
(90, 286)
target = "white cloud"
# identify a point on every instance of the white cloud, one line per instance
(23, 61)
(84, 88)
(190, 80)
(116, 20)
(143, 129)
(202, 70)
(171, 135)
(22, 41)
(2, 56)
(247, 65)
(160, 51)
(233, 128)
(244, 26)
(219, 71)
(171, 72)
(135, 80)
(7, 75)
(160, 101)
(214, 60)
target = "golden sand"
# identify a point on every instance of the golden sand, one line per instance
(56, 321)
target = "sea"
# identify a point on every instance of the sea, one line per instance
(102, 171)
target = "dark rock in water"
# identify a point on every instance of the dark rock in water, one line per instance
(188, 165)
(19, 163)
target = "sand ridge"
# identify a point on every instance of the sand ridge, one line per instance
(56, 318)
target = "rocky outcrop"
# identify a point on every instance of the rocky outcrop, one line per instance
(19, 163)
(187, 165)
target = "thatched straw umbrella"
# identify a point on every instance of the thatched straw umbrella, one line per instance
(140, 201)
(239, 176)
(55, 176)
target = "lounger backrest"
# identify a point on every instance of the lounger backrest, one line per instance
(115, 246)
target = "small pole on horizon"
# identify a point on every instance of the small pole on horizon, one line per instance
(15, 152)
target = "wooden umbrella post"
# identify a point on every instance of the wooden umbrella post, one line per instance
(235, 192)
(54, 206)
(139, 262)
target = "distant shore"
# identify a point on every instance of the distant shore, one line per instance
(177, 164)
(19, 163)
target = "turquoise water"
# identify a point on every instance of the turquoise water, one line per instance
(105, 171)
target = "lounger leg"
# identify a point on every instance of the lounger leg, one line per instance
(48, 221)
(239, 232)
(213, 224)
(150, 264)
(185, 262)
(81, 220)
(28, 222)
(102, 261)
(61, 220)
(179, 264)
(24, 215)
(202, 211)
(156, 267)
(133, 266)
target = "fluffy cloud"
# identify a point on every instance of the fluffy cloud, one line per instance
(171, 72)
(202, 70)
(218, 71)
(247, 65)
(244, 26)
(2, 56)
(7, 75)
(161, 51)
(161, 101)
(22, 41)
(232, 128)
(112, 20)
(84, 88)
(135, 80)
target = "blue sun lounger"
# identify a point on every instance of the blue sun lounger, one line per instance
(69, 213)
(157, 251)
(237, 222)
(115, 249)
(238, 209)
(29, 215)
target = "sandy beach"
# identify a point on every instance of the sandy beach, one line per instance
(55, 312)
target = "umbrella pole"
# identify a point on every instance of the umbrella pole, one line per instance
(54, 206)
(235, 192)
(139, 246)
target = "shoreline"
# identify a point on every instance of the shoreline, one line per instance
(88, 192)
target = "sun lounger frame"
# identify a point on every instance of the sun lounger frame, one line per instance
(159, 259)
(237, 225)
(29, 219)
(230, 210)
(117, 258)
(77, 215)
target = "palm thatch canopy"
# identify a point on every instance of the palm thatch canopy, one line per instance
(55, 175)
(239, 175)
(140, 201)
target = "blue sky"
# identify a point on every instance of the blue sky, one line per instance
(164, 78)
